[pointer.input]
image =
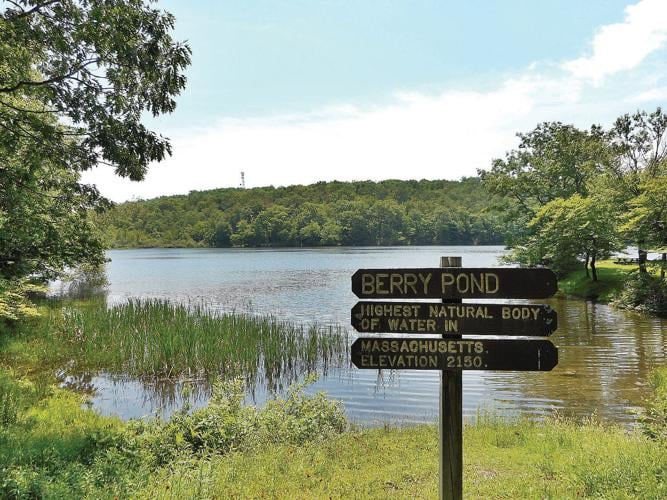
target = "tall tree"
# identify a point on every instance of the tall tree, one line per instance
(75, 79)
(572, 230)
(639, 144)
(647, 218)
(554, 160)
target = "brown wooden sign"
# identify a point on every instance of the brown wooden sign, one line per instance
(454, 283)
(455, 354)
(454, 319)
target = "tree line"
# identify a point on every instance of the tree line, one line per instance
(365, 213)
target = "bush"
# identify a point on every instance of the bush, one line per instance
(51, 447)
(644, 292)
(653, 420)
(299, 418)
(227, 424)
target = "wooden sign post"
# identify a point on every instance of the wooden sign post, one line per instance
(451, 318)
(450, 421)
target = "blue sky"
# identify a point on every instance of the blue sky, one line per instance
(258, 58)
(301, 91)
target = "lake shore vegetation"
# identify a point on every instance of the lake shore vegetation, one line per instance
(298, 445)
(77, 80)
(155, 339)
(301, 446)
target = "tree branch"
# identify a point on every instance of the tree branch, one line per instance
(23, 110)
(25, 13)
(48, 81)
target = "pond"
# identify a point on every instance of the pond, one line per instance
(604, 354)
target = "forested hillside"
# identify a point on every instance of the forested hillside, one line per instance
(335, 213)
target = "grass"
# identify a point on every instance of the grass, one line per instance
(611, 277)
(621, 285)
(556, 459)
(610, 280)
(158, 339)
(297, 447)
(53, 447)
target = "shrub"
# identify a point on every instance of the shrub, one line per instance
(653, 420)
(227, 424)
(644, 292)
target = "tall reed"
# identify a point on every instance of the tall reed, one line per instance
(156, 338)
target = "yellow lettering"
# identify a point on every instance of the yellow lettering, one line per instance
(505, 311)
(459, 283)
(492, 282)
(425, 279)
(447, 280)
(380, 284)
(367, 283)
(395, 281)
(474, 282)
(410, 281)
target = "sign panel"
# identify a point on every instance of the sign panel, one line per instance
(454, 319)
(455, 354)
(454, 283)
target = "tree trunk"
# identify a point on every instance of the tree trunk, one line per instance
(586, 265)
(593, 269)
(664, 264)
(642, 254)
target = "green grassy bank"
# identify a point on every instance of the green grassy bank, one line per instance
(301, 447)
(610, 281)
(622, 285)
(556, 459)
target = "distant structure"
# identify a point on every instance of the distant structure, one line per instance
(242, 185)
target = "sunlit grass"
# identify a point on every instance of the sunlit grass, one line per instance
(296, 447)
(611, 277)
(515, 459)
(610, 281)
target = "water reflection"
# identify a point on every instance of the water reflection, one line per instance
(605, 356)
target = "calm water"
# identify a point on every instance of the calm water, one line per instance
(605, 354)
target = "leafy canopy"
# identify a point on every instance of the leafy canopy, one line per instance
(75, 79)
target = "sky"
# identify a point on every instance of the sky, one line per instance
(301, 91)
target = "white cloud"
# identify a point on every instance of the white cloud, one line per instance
(623, 46)
(653, 94)
(447, 135)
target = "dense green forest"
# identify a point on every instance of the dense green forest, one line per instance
(390, 212)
